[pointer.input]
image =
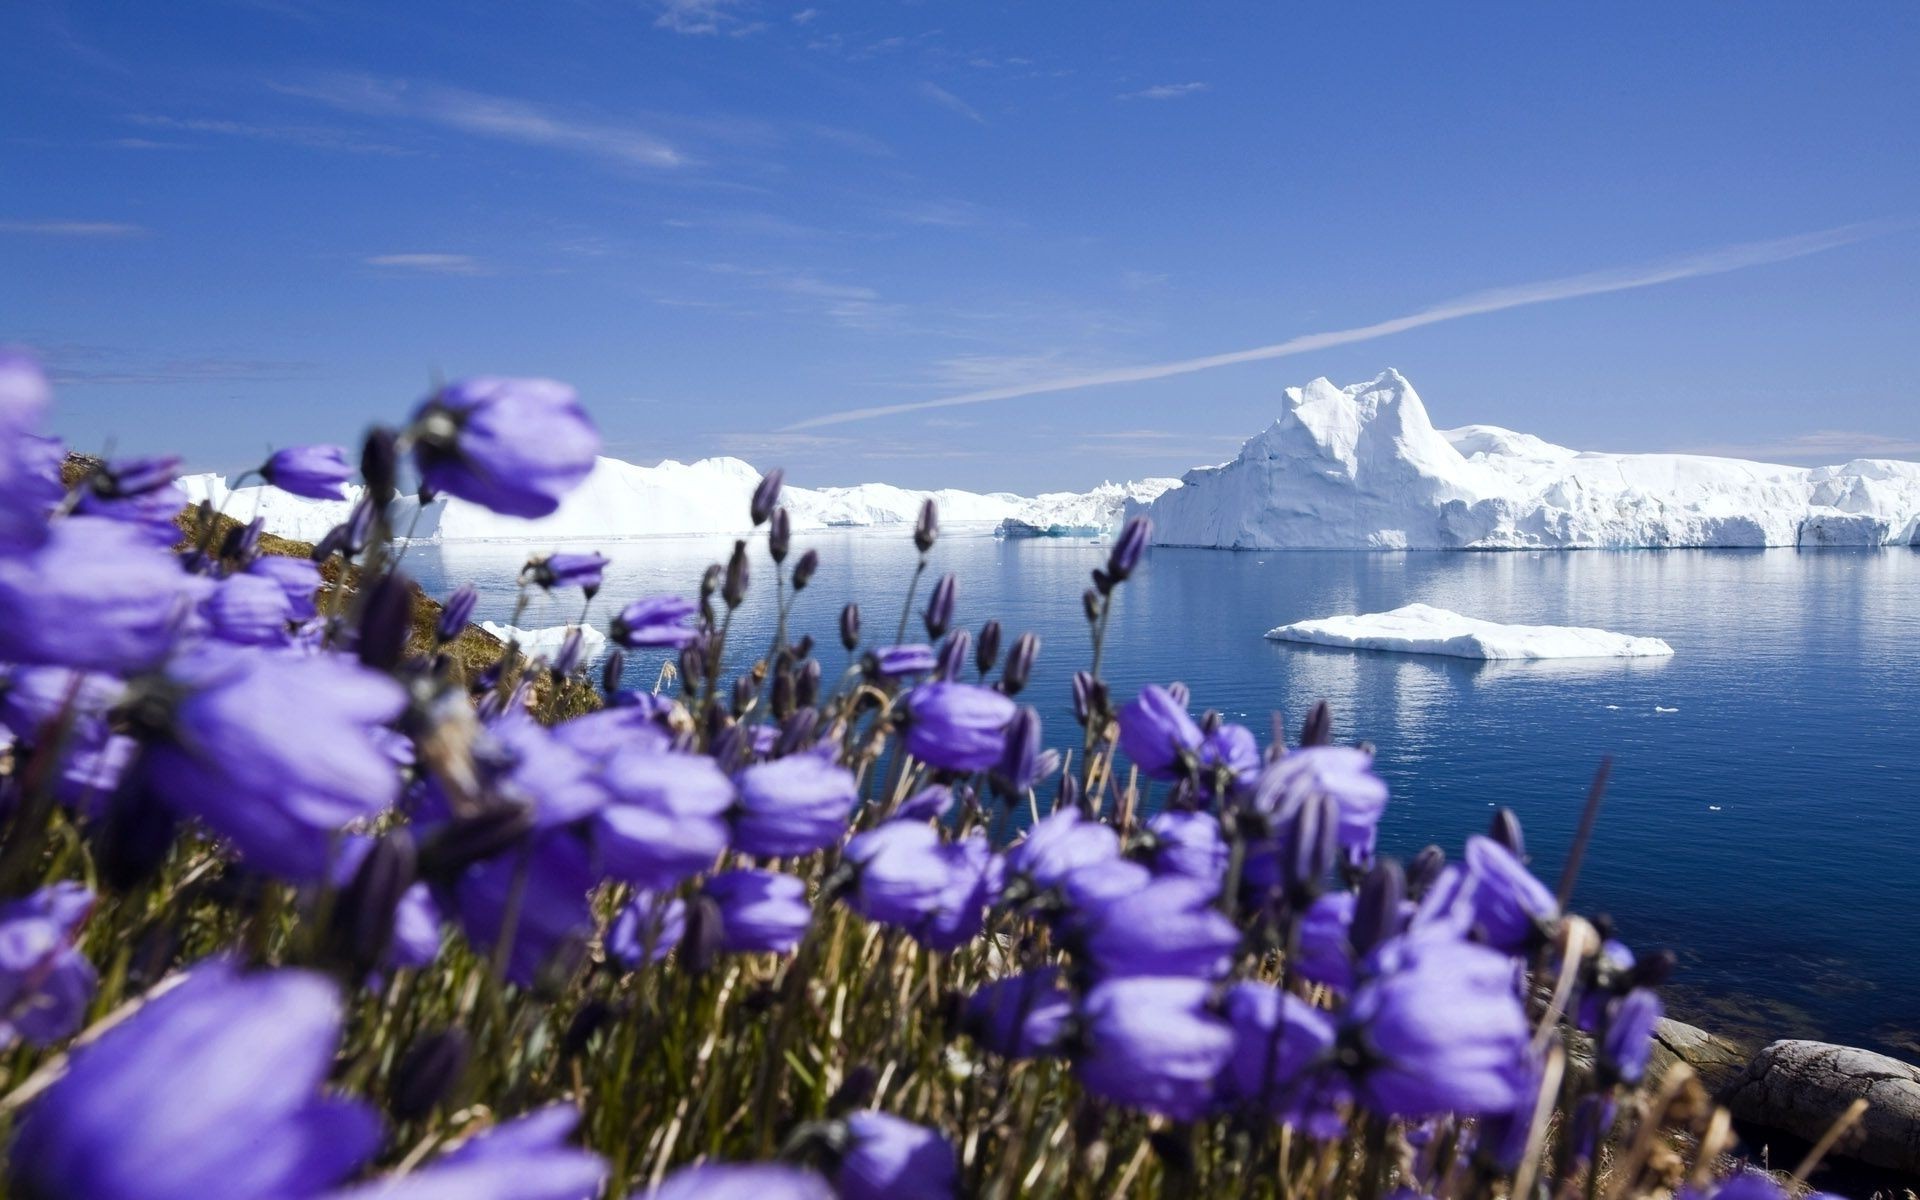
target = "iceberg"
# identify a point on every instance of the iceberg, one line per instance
(545, 643)
(1363, 467)
(1424, 629)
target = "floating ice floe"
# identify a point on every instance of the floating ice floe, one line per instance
(545, 643)
(1424, 629)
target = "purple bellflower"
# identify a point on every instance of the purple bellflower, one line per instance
(646, 929)
(957, 726)
(527, 1158)
(1281, 1044)
(549, 881)
(667, 821)
(516, 446)
(793, 805)
(1342, 774)
(228, 1064)
(898, 662)
(1169, 927)
(316, 472)
(1022, 1016)
(899, 872)
(751, 1181)
(656, 621)
(567, 570)
(760, 910)
(887, 1158)
(1157, 734)
(45, 982)
(1189, 844)
(97, 596)
(1154, 1044)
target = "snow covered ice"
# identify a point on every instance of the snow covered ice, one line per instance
(1424, 629)
(546, 643)
(1362, 467)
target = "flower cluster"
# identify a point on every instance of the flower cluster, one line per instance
(352, 916)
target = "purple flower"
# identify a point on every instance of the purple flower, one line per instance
(1059, 844)
(30, 487)
(957, 726)
(97, 596)
(1342, 774)
(1025, 760)
(1168, 927)
(972, 879)
(568, 570)
(1232, 750)
(316, 472)
(297, 577)
(930, 803)
(516, 446)
(760, 910)
(1157, 734)
(212, 1089)
(754, 1181)
(1629, 1037)
(897, 662)
(139, 493)
(647, 929)
(527, 1158)
(1088, 888)
(24, 392)
(655, 621)
(416, 929)
(524, 762)
(887, 1158)
(793, 806)
(545, 886)
(45, 982)
(249, 610)
(1326, 943)
(1280, 1045)
(456, 613)
(899, 872)
(1023, 1016)
(1154, 1044)
(1189, 844)
(1128, 547)
(220, 746)
(668, 818)
(1493, 897)
(1439, 1029)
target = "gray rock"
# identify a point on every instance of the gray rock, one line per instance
(1719, 1062)
(1801, 1088)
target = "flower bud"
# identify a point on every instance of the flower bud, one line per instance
(332, 542)
(926, 530)
(693, 668)
(1102, 582)
(744, 688)
(1314, 843)
(780, 535)
(386, 621)
(767, 495)
(705, 929)
(953, 655)
(428, 1075)
(455, 614)
(611, 670)
(782, 697)
(806, 685)
(802, 648)
(379, 464)
(1505, 829)
(362, 925)
(359, 528)
(803, 570)
(850, 626)
(1423, 870)
(1128, 547)
(939, 614)
(135, 838)
(796, 730)
(1317, 729)
(1090, 604)
(464, 841)
(734, 591)
(1026, 648)
(572, 648)
(1376, 911)
(988, 647)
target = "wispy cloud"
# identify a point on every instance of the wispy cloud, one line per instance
(952, 103)
(705, 17)
(428, 263)
(1594, 283)
(315, 137)
(1821, 447)
(852, 305)
(1164, 91)
(77, 363)
(77, 229)
(501, 118)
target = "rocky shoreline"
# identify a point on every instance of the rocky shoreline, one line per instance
(1800, 1088)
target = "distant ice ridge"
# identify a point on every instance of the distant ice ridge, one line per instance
(624, 500)
(1362, 467)
(546, 643)
(1424, 629)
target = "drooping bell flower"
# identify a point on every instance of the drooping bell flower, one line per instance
(1325, 952)
(249, 610)
(97, 596)
(45, 982)
(456, 613)
(957, 726)
(759, 910)
(527, 1158)
(220, 745)
(1189, 844)
(516, 446)
(1025, 760)
(1230, 752)
(899, 872)
(298, 578)
(667, 821)
(887, 1158)
(1344, 775)
(647, 929)
(316, 472)
(1281, 1046)
(1059, 844)
(898, 662)
(567, 570)
(1022, 1016)
(30, 488)
(656, 621)
(1092, 887)
(544, 888)
(752, 1181)
(1628, 1042)
(1169, 927)
(524, 762)
(1154, 1044)
(1492, 897)
(1439, 1028)
(230, 1065)
(793, 805)
(930, 803)
(1157, 734)
(973, 876)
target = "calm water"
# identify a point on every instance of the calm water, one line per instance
(1764, 815)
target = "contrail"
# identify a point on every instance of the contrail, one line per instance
(1711, 262)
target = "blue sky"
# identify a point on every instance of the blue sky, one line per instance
(232, 225)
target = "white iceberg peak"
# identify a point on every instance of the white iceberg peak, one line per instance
(1424, 629)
